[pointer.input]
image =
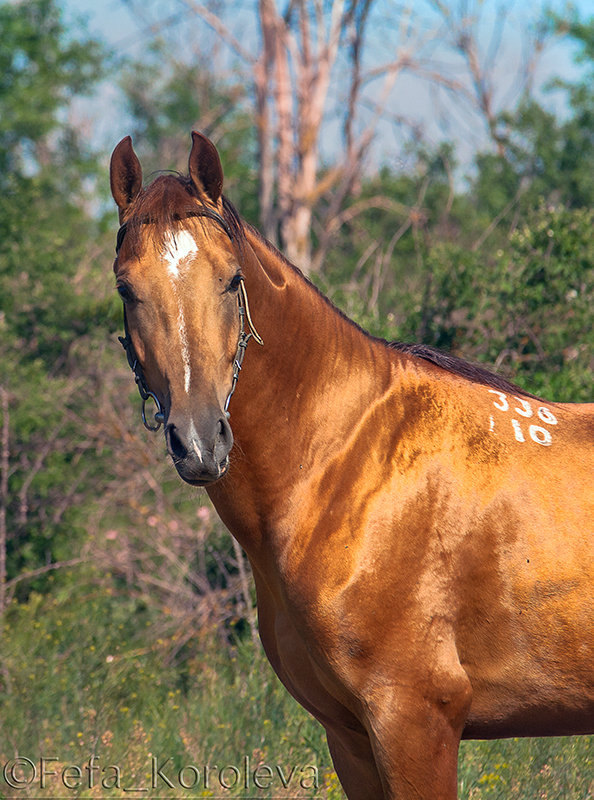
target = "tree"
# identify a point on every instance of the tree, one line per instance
(40, 70)
(44, 231)
(317, 67)
(540, 156)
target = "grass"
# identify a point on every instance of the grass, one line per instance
(85, 682)
(527, 769)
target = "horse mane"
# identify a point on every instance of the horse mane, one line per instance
(171, 197)
(459, 366)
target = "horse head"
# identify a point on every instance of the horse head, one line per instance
(179, 276)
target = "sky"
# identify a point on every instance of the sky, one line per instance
(112, 21)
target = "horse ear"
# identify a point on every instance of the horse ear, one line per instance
(205, 167)
(125, 174)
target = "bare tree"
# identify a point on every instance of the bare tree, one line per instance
(306, 63)
(311, 65)
(491, 78)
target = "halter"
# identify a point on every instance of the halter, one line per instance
(244, 336)
(244, 313)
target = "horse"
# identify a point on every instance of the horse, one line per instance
(419, 529)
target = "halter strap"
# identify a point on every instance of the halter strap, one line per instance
(143, 389)
(244, 337)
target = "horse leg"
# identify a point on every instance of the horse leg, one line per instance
(354, 763)
(415, 738)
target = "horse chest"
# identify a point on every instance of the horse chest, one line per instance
(304, 664)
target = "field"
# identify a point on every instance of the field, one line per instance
(129, 659)
(94, 704)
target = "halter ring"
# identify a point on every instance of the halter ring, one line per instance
(158, 415)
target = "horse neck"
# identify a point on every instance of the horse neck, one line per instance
(298, 397)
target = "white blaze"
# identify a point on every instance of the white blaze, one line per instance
(180, 247)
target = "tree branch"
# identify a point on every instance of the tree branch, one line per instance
(215, 22)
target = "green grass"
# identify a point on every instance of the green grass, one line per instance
(527, 769)
(83, 673)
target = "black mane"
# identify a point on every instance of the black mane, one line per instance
(458, 366)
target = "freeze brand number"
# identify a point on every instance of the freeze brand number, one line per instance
(521, 406)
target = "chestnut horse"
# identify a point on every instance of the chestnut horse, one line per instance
(419, 529)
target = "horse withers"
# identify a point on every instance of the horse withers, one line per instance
(419, 529)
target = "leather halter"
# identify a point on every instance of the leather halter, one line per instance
(244, 337)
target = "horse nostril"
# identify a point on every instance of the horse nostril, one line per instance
(224, 431)
(176, 446)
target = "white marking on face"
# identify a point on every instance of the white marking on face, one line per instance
(193, 435)
(491, 423)
(179, 248)
(185, 350)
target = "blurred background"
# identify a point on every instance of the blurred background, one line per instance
(429, 165)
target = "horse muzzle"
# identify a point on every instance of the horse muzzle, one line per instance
(200, 453)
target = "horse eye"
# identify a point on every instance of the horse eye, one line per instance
(125, 293)
(235, 282)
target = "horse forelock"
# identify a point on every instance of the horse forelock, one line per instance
(166, 204)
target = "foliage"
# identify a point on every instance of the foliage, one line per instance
(40, 71)
(123, 692)
(146, 644)
(525, 308)
(45, 307)
(527, 769)
(43, 170)
(542, 157)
